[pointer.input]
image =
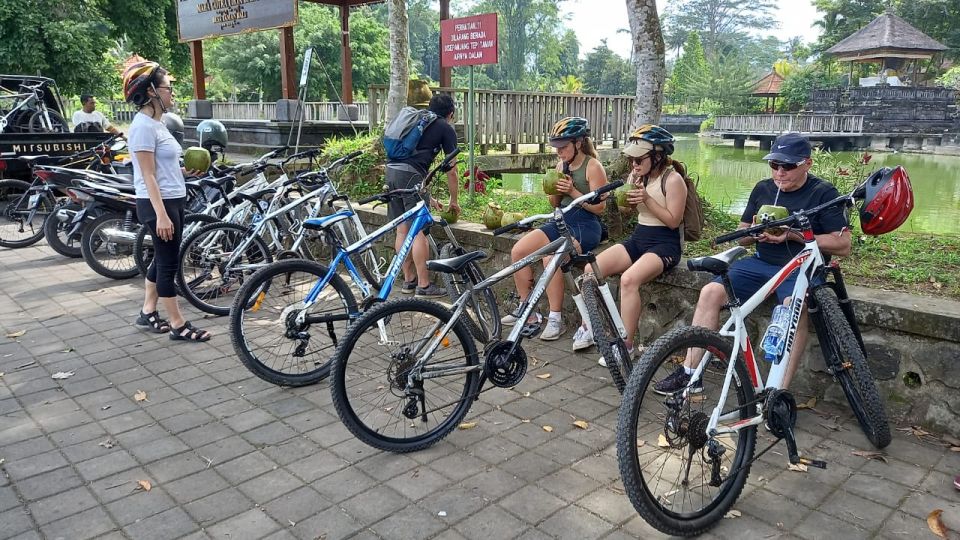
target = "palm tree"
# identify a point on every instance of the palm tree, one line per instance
(399, 57)
(648, 60)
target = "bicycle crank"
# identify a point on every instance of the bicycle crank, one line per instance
(505, 364)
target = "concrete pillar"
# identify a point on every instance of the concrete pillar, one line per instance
(738, 142)
(286, 110)
(199, 108)
(765, 144)
(913, 143)
(879, 143)
(930, 142)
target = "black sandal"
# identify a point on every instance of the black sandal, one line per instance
(152, 322)
(194, 334)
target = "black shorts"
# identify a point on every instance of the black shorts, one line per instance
(403, 176)
(661, 241)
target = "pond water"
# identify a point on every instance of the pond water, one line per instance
(727, 175)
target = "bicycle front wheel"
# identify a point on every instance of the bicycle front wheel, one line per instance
(205, 278)
(482, 316)
(609, 343)
(272, 335)
(846, 361)
(662, 445)
(381, 391)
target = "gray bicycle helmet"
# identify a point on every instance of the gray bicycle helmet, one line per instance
(174, 125)
(212, 135)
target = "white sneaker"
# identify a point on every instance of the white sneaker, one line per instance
(636, 354)
(553, 331)
(583, 339)
(510, 319)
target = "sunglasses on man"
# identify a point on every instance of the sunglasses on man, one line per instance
(774, 165)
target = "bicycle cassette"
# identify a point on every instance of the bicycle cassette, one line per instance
(501, 367)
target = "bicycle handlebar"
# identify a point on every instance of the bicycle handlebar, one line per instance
(793, 219)
(593, 197)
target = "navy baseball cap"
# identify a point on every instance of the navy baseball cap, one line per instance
(790, 148)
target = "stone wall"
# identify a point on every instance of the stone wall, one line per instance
(892, 109)
(913, 343)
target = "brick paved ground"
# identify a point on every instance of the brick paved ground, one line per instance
(229, 456)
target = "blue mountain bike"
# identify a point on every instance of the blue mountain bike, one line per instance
(288, 318)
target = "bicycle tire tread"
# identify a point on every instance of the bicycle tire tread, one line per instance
(862, 377)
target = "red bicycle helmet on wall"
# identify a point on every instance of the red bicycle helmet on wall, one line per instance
(887, 202)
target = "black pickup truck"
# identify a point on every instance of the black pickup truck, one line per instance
(20, 142)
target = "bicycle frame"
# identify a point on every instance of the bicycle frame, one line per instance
(808, 262)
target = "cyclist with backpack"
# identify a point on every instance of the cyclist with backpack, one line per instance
(577, 159)
(658, 194)
(420, 135)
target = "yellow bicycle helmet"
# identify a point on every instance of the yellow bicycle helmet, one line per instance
(136, 79)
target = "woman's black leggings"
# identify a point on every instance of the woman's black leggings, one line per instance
(166, 253)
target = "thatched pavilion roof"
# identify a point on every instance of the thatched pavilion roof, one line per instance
(887, 36)
(768, 86)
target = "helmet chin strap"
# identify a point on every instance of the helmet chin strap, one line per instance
(576, 153)
(156, 94)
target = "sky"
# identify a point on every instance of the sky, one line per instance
(592, 24)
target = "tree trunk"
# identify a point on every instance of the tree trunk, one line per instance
(399, 57)
(648, 59)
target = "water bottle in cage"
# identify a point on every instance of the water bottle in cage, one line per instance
(774, 339)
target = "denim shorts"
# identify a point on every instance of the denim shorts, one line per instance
(584, 227)
(749, 274)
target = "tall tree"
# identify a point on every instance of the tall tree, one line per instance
(424, 24)
(63, 40)
(720, 21)
(604, 72)
(399, 57)
(523, 29)
(691, 62)
(648, 60)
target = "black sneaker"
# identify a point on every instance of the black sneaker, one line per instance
(431, 291)
(676, 382)
(409, 287)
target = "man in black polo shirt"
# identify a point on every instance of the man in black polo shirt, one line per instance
(412, 170)
(791, 186)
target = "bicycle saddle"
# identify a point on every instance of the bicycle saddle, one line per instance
(455, 264)
(252, 197)
(319, 223)
(716, 264)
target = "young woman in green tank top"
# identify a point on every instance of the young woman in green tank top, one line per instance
(577, 158)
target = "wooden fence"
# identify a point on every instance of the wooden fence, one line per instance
(504, 117)
(776, 124)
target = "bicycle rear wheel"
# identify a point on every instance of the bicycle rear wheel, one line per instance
(17, 228)
(379, 395)
(264, 328)
(204, 278)
(609, 343)
(482, 317)
(846, 361)
(662, 444)
(57, 227)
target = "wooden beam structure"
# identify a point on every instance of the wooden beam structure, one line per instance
(199, 75)
(346, 56)
(446, 74)
(288, 83)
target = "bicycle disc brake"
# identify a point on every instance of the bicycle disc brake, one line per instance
(505, 364)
